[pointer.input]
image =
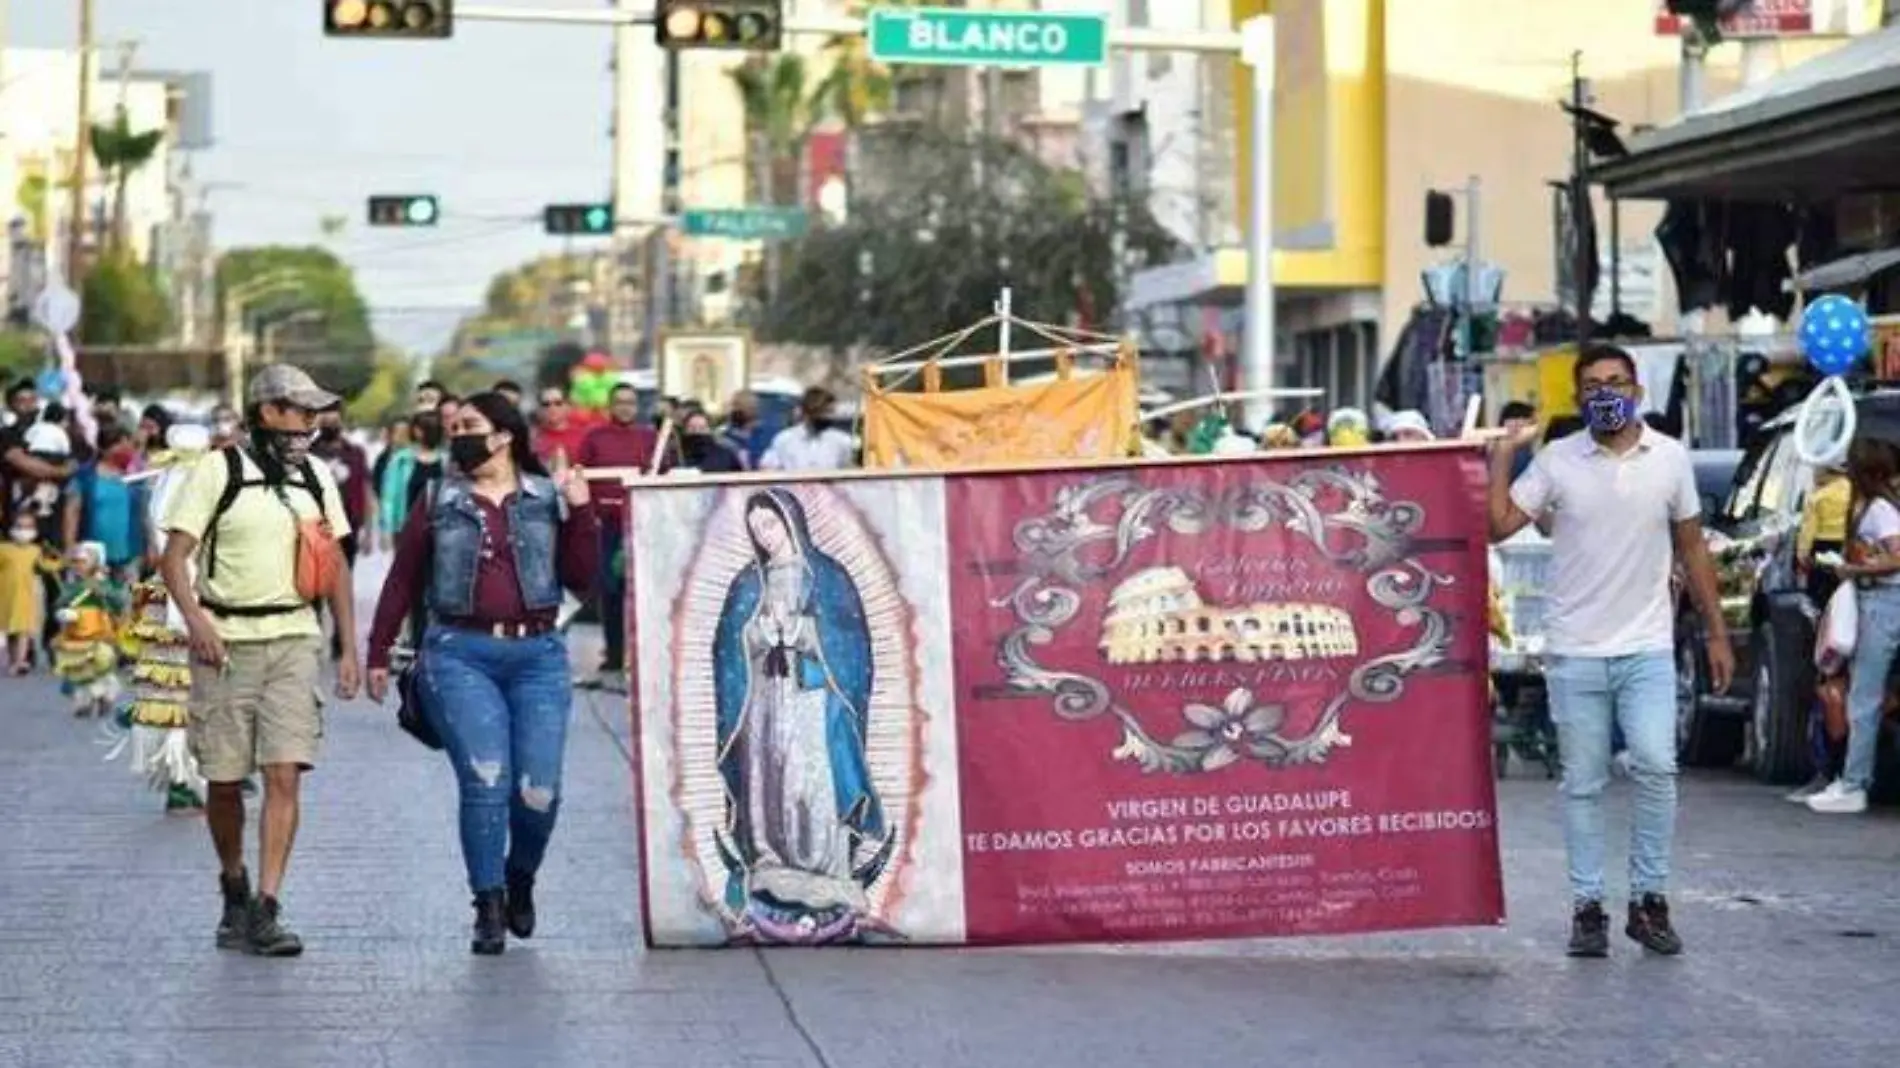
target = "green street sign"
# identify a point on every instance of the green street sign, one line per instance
(949, 36)
(745, 224)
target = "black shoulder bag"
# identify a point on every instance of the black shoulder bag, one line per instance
(409, 714)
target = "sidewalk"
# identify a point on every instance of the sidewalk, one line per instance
(107, 908)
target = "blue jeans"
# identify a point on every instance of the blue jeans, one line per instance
(501, 706)
(613, 595)
(1874, 646)
(1589, 695)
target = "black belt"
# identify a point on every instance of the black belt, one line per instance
(532, 628)
(251, 611)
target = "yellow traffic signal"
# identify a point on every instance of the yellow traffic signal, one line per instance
(388, 18)
(751, 25)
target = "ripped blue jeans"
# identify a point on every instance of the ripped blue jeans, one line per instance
(501, 706)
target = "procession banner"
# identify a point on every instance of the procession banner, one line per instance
(1213, 699)
(1080, 416)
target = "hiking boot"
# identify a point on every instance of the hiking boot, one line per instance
(1589, 931)
(1649, 925)
(520, 904)
(236, 890)
(266, 936)
(490, 936)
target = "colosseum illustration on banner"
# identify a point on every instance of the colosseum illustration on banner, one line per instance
(1157, 616)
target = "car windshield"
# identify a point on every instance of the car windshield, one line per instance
(1749, 475)
(1769, 481)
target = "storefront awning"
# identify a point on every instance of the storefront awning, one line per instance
(1814, 132)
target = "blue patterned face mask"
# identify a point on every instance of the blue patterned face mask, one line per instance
(1608, 411)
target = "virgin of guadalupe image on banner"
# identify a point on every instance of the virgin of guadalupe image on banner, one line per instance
(800, 751)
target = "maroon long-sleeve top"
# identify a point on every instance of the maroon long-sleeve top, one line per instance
(497, 589)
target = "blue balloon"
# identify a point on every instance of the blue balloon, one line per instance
(1835, 333)
(51, 383)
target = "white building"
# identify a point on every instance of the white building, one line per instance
(38, 112)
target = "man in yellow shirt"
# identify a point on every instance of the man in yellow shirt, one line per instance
(230, 565)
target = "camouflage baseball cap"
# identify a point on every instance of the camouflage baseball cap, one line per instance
(281, 383)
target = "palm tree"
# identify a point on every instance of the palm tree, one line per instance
(782, 110)
(120, 152)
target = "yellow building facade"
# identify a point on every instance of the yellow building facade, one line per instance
(1379, 101)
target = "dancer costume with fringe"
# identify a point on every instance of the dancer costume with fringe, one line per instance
(151, 723)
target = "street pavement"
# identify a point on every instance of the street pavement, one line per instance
(107, 908)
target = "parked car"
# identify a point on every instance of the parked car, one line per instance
(1521, 723)
(1762, 720)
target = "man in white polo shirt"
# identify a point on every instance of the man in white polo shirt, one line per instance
(1620, 502)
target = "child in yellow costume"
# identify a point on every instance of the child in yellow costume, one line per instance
(21, 564)
(151, 726)
(86, 650)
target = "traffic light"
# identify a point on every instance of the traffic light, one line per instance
(404, 211)
(388, 18)
(579, 219)
(748, 25)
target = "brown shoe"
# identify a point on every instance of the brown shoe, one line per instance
(1649, 925)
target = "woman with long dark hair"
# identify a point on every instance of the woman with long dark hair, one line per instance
(488, 553)
(1873, 565)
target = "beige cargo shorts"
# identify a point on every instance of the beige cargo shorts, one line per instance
(259, 709)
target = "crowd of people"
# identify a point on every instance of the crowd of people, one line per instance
(189, 581)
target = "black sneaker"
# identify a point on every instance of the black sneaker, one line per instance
(1649, 925)
(236, 920)
(266, 936)
(490, 936)
(520, 904)
(1589, 931)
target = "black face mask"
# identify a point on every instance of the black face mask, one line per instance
(470, 451)
(739, 420)
(329, 435)
(695, 447)
(279, 448)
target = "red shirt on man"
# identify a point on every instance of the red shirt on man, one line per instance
(617, 445)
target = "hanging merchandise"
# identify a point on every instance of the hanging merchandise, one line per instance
(1835, 334)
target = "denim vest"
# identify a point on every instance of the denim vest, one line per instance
(534, 527)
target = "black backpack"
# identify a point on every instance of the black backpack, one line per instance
(234, 484)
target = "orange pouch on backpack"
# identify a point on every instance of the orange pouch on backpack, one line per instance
(319, 559)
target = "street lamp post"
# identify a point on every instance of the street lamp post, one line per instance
(236, 302)
(267, 331)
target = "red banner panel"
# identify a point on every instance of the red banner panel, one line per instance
(1224, 700)
(1215, 699)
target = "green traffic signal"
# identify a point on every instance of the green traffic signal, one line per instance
(412, 210)
(570, 220)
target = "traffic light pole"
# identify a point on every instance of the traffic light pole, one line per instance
(1125, 38)
(1254, 45)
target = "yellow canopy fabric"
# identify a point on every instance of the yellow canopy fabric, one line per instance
(1074, 417)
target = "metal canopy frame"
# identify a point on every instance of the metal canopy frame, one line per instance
(1828, 127)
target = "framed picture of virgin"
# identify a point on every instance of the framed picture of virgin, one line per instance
(706, 367)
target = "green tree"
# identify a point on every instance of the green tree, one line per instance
(950, 222)
(340, 351)
(121, 152)
(22, 354)
(121, 303)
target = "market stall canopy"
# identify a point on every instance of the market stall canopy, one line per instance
(1827, 127)
(1844, 273)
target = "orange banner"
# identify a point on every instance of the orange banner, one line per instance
(1077, 416)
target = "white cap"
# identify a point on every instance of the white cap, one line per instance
(188, 437)
(1410, 419)
(48, 439)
